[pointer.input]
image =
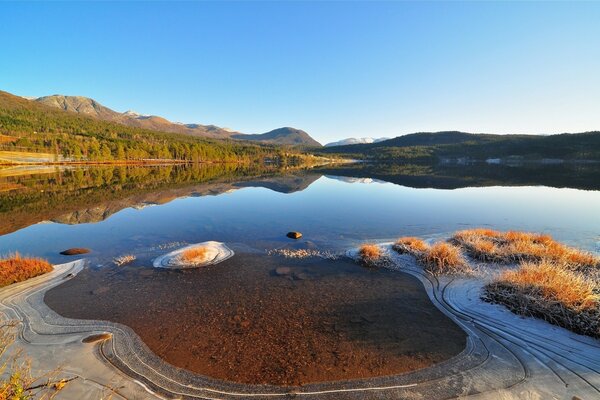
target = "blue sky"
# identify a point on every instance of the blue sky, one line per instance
(333, 69)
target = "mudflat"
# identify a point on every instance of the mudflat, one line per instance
(260, 319)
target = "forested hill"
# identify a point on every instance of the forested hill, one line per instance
(30, 126)
(453, 145)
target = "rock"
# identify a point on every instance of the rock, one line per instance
(294, 235)
(280, 271)
(300, 276)
(75, 251)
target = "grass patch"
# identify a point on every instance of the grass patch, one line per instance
(15, 269)
(410, 245)
(444, 258)
(370, 254)
(440, 258)
(194, 255)
(552, 292)
(512, 246)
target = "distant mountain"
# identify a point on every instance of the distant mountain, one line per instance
(282, 136)
(348, 141)
(449, 146)
(34, 127)
(90, 107)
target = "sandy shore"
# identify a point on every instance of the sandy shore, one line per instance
(507, 356)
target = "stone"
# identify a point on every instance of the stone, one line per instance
(280, 271)
(75, 251)
(294, 235)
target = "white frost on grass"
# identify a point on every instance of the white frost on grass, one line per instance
(304, 253)
(216, 252)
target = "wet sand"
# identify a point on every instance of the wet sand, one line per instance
(268, 320)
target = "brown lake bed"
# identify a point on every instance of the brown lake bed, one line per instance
(259, 319)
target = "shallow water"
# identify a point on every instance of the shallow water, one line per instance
(321, 320)
(261, 319)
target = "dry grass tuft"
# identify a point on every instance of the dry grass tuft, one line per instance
(16, 379)
(15, 268)
(410, 245)
(443, 258)
(370, 254)
(194, 255)
(549, 291)
(513, 246)
(124, 259)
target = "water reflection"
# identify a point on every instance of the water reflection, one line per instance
(110, 209)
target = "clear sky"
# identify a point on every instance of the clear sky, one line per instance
(333, 69)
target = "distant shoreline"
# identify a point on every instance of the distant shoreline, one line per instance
(114, 162)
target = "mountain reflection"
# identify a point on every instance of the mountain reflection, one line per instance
(91, 194)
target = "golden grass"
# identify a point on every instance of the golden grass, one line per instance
(370, 254)
(442, 258)
(194, 255)
(369, 250)
(513, 246)
(547, 290)
(554, 284)
(410, 245)
(15, 269)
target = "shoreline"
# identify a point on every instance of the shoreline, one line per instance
(159, 162)
(506, 355)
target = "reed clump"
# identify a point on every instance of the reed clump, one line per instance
(15, 268)
(444, 258)
(195, 255)
(439, 258)
(512, 247)
(410, 245)
(370, 255)
(550, 291)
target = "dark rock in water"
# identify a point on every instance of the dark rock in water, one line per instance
(294, 235)
(280, 271)
(75, 251)
(300, 276)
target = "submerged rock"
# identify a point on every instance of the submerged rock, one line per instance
(294, 235)
(280, 271)
(75, 251)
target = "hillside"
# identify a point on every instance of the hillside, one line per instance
(90, 107)
(453, 145)
(282, 136)
(35, 127)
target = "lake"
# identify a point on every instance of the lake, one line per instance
(112, 210)
(266, 319)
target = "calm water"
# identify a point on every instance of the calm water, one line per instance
(259, 318)
(116, 210)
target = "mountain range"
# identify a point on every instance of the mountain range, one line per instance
(363, 140)
(456, 146)
(92, 108)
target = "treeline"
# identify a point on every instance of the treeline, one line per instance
(36, 127)
(427, 147)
